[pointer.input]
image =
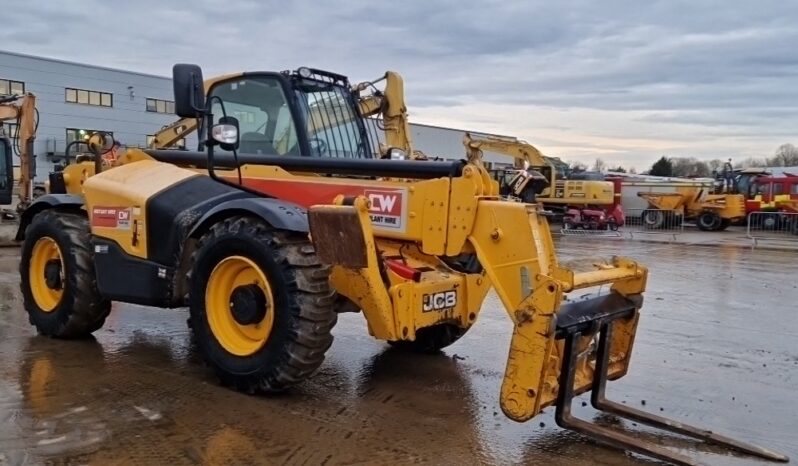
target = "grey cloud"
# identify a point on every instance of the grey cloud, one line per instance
(710, 67)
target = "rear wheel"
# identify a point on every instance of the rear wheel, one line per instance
(261, 305)
(709, 221)
(653, 219)
(58, 282)
(431, 339)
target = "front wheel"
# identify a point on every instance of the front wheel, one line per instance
(57, 278)
(261, 307)
(431, 339)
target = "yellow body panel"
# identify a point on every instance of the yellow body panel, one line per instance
(691, 201)
(115, 200)
(580, 192)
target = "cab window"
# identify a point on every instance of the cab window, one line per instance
(6, 170)
(3, 164)
(264, 117)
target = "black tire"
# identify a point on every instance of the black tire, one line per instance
(81, 309)
(709, 221)
(303, 305)
(431, 339)
(652, 219)
(724, 224)
(770, 222)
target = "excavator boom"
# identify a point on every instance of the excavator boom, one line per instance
(21, 110)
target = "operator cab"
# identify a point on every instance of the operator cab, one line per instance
(307, 112)
(6, 172)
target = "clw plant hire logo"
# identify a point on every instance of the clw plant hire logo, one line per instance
(388, 207)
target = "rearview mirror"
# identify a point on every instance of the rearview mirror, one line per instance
(6, 173)
(189, 90)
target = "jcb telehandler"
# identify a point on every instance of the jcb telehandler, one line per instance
(266, 246)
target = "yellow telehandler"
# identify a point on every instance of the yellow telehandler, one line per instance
(266, 246)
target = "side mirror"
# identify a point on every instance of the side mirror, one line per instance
(6, 173)
(225, 133)
(394, 153)
(189, 90)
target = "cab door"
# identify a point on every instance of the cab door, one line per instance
(6, 172)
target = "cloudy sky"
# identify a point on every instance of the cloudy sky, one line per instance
(626, 81)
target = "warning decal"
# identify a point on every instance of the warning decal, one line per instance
(111, 217)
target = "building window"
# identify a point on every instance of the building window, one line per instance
(160, 106)
(96, 98)
(181, 143)
(10, 87)
(74, 134)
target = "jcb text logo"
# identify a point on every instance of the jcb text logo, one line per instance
(440, 301)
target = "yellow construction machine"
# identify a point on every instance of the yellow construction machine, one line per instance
(266, 247)
(21, 110)
(534, 179)
(711, 212)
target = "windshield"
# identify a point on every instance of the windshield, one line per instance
(333, 126)
(264, 117)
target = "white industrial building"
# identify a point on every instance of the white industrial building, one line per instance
(74, 99)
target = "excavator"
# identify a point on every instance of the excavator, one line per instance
(266, 247)
(21, 110)
(584, 202)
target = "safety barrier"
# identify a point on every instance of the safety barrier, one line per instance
(636, 222)
(770, 226)
(608, 232)
(652, 221)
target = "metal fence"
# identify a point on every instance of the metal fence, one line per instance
(636, 222)
(769, 226)
(652, 221)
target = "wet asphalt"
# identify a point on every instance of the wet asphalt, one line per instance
(717, 346)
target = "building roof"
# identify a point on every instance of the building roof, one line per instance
(85, 65)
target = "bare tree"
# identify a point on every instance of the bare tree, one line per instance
(786, 156)
(752, 162)
(715, 165)
(599, 165)
(689, 167)
(578, 167)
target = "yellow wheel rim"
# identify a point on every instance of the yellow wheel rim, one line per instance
(45, 256)
(230, 275)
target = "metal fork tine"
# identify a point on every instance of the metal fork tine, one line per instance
(611, 437)
(600, 402)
